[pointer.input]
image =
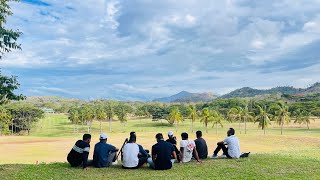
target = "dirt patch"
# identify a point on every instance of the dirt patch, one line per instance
(30, 142)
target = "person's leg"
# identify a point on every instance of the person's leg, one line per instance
(90, 162)
(173, 161)
(225, 151)
(110, 158)
(151, 163)
(142, 160)
(219, 147)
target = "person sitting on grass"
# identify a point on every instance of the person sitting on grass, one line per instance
(187, 149)
(104, 154)
(173, 140)
(161, 154)
(143, 152)
(201, 146)
(79, 153)
(131, 155)
(233, 149)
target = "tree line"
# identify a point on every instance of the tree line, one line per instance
(215, 113)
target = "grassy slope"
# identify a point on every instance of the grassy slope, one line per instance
(263, 166)
(297, 152)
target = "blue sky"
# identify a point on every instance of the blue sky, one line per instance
(143, 49)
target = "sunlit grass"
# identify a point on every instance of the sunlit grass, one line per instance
(292, 155)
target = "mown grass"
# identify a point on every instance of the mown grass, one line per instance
(258, 166)
(293, 155)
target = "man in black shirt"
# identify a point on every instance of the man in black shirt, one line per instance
(80, 152)
(161, 154)
(201, 146)
(173, 140)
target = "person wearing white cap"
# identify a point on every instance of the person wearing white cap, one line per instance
(173, 140)
(104, 153)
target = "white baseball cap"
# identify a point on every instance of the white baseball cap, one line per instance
(103, 136)
(170, 133)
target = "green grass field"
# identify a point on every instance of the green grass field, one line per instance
(293, 155)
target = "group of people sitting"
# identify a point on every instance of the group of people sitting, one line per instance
(163, 154)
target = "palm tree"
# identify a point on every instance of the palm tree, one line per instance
(282, 114)
(206, 117)
(217, 119)
(234, 114)
(192, 114)
(302, 117)
(74, 118)
(263, 117)
(175, 117)
(87, 115)
(246, 115)
(100, 115)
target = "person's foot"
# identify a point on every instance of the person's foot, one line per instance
(223, 156)
(214, 156)
(115, 162)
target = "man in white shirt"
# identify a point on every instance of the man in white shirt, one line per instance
(131, 154)
(233, 149)
(187, 149)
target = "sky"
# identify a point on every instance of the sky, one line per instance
(145, 49)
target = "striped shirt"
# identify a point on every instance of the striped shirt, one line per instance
(79, 154)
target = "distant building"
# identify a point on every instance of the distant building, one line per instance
(48, 110)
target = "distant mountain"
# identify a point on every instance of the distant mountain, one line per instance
(198, 97)
(315, 88)
(185, 96)
(172, 98)
(250, 92)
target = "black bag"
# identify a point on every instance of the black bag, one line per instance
(244, 155)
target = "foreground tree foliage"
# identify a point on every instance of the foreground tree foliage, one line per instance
(8, 37)
(7, 87)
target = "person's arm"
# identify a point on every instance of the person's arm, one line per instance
(154, 153)
(174, 141)
(174, 154)
(85, 155)
(142, 152)
(181, 154)
(195, 153)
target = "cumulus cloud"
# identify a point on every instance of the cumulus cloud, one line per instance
(145, 49)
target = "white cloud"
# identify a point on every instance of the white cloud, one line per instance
(170, 45)
(312, 26)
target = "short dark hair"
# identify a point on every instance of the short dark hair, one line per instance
(184, 135)
(159, 136)
(132, 139)
(199, 134)
(86, 137)
(231, 131)
(132, 133)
